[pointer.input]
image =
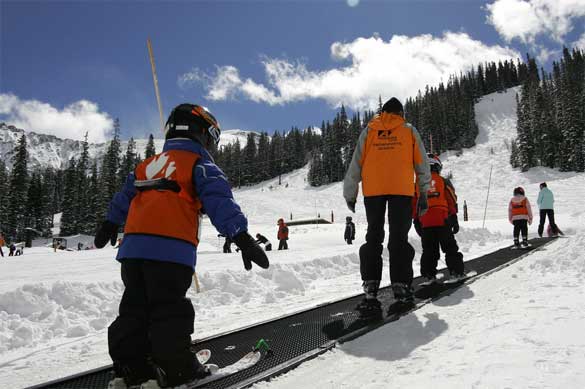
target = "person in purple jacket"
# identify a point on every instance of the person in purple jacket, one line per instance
(161, 205)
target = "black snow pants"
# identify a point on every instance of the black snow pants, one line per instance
(434, 238)
(401, 252)
(282, 244)
(551, 220)
(155, 318)
(520, 226)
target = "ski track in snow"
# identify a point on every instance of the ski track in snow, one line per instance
(520, 327)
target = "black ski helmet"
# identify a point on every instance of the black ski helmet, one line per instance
(194, 122)
(348, 218)
(435, 163)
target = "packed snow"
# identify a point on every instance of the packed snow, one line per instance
(519, 327)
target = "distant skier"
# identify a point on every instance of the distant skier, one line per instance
(2, 243)
(520, 215)
(161, 204)
(349, 234)
(388, 155)
(282, 235)
(438, 226)
(545, 202)
(12, 249)
(262, 239)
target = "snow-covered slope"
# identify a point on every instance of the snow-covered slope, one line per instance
(51, 151)
(521, 327)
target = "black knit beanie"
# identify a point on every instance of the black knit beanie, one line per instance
(393, 106)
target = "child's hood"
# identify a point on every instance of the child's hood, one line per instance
(518, 198)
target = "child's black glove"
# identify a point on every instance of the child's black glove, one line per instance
(108, 231)
(251, 251)
(454, 224)
(350, 205)
(422, 204)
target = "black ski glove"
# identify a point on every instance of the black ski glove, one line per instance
(417, 227)
(108, 231)
(422, 204)
(454, 224)
(350, 205)
(251, 251)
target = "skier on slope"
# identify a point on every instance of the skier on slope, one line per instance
(282, 235)
(520, 215)
(388, 155)
(161, 204)
(438, 226)
(349, 234)
(545, 202)
(261, 239)
(2, 243)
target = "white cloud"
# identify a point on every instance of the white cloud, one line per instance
(527, 19)
(580, 43)
(368, 67)
(71, 122)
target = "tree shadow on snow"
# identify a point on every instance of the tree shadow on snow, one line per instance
(397, 340)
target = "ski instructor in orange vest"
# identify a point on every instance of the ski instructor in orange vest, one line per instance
(388, 155)
(161, 205)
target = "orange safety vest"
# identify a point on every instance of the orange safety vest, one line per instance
(438, 210)
(436, 193)
(165, 212)
(519, 208)
(388, 157)
(282, 232)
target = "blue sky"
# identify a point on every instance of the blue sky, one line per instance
(71, 67)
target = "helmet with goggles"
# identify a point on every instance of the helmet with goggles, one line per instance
(435, 163)
(194, 122)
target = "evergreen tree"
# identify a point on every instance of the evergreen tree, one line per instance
(15, 218)
(37, 215)
(81, 196)
(249, 173)
(93, 201)
(150, 150)
(69, 222)
(129, 161)
(4, 195)
(109, 175)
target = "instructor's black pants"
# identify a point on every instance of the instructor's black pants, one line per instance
(401, 252)
(551, 220)
(520, 226)
(434, 238)
(155, 318)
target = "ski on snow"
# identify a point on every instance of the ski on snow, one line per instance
(247, 361)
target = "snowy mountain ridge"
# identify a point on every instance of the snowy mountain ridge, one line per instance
(51, 151)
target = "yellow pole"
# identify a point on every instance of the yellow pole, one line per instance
(197, 289)
(155, 80)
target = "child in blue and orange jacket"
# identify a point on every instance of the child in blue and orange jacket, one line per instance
(438, 226)
(520, 215)
(161, 205)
